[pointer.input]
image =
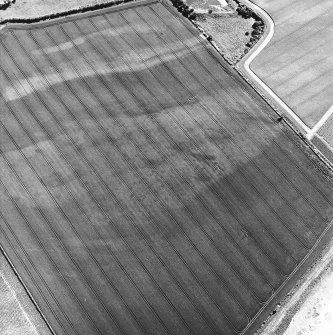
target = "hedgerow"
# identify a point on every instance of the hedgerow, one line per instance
(65, 13)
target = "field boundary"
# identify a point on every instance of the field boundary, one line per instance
(247, 60)
(2, 250)
(261, 88)
(322, 241)
(300, 135)
(320, 123)
(46, 20)
(295, 299)
(23, 314)
(319, 247)
(320, 142)
(245, 63)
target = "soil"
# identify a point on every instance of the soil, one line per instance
(308, 309)
(18, 315)
(315, 316)
(228, 31)
(207, 4)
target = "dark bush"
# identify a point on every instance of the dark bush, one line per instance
(255, 25)
(256, 16)
(193, 16)
(255, 33)
(244, 11)
(184, 9)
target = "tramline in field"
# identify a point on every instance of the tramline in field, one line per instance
(146, 189)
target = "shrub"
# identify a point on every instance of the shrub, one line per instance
(255, 33)
(184, 9)
(193, 16)
(256, 16)
(244, 11)
(255, 25)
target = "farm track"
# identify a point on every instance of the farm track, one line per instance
(84, 139)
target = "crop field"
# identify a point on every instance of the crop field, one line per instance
(327, 131)
(297, 62)
(145, 187)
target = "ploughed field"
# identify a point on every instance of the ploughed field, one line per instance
(297, 62)
(145, 188)
(326, 131)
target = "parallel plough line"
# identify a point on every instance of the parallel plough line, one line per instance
(104, 183)
(217, 122)
(273, 140)
(69, 111)
(143, 179)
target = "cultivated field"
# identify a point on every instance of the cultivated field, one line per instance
(297, 63)
(327, 131)
(145, 188)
